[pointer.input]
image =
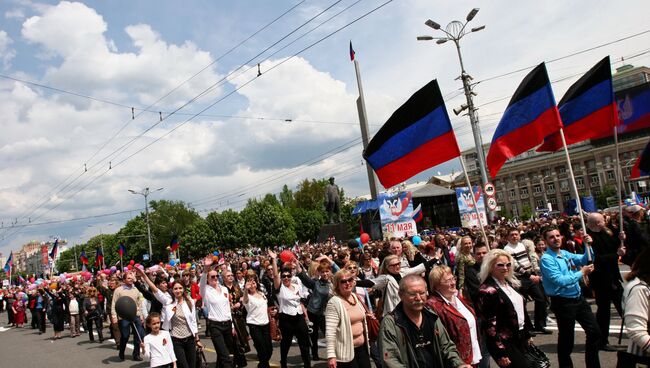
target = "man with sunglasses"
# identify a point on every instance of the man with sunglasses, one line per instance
(217, 303)
(562, 284)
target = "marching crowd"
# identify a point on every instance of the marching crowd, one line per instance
(451, 299)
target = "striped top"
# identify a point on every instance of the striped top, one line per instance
(180, 329)
(637, 315)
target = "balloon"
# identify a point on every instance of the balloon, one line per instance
(215, 253)
(132, 262)
(32, 287)
(62, 278)
(188, 265)
(39, 281)
(53, 285)
(126, 308)
(172, 262)
(287, 256)
(113, 268)
(416, 240)
(140, 267)
(365, 238)
(31, 279)
(358, 240)
(215, 258)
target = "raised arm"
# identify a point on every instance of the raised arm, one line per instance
(276, 274)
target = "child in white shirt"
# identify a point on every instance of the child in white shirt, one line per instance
(157, 346)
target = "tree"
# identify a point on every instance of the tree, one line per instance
(352, 222)
(526, 212)
(286, 197)
(310, 195)
(168, 219)
(134, 237)
(267, 224)
(229, 229)
(307, 223)
(601, 199)
(198, 239)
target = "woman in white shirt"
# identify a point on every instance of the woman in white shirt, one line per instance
(637, 311)
(257, 319)
(291, 315)
(346, 330)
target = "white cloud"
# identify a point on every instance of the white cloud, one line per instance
(16, 13)
(6, 52)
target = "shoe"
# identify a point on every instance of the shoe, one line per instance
(608, 347)
(137, 359)
(532, 333)
(316, 358)
(543, 331)
(121, 356)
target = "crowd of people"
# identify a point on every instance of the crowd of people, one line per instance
(451, 299)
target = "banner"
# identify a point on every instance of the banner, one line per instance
(466, 207)
(396, 213)
(44, 255)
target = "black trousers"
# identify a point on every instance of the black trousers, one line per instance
(33, 312)
(97, 321)
(319, 324)
(606, 294)
(261, 336)
(568, 311)
(534, 291)
(41, 322)
(185, 351)
(221, 336)
(361, 359)
(291, 326)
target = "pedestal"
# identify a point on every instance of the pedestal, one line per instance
(338, 231)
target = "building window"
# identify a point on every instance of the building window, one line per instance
(521, 178)
(566, 198)
(523, 190)
(550, 186)
(611, 176)
(547, 172)
(580, 182)
(561, 169)
(499, 196)
(553, 201)
(594, 180)
(608, 159)
(512, 193)
(515, 211)
(540, 203)
(591, 164)
(537, 189)
(564, 184)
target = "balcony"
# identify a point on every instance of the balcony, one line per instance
(564, 189)
(537, 194)
(524, 196)
(551, 191)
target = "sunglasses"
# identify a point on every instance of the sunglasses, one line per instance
(347, 281)
(213, 276)
(504, 265)
(352, 268)
(286, 276)
(394, 265)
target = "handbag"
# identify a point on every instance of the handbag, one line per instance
(629, 360)
(201, 362)
(536, 358)
(372, 322)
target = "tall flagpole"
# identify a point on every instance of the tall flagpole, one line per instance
(471, 192)
(363, 121)
(618, 184)
(575, 190)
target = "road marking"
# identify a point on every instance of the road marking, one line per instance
(3, 329)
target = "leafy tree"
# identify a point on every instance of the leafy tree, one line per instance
(286, 197)
(268, 224)
(168, 219)
(526, 212)
(229, 229)
(351, 221)
(307, 223)
(134, 236)
(197, 239)
(601, 199)
(310, 195)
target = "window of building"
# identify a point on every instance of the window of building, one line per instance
(561, 169)
(515, 211)
(610, 175)
(607, 159)
(521, 178)
(523, 190)
(499, 196)
(591, 164)
(540, 203)
(550, 186)
(594, 180)
(547, 172)
(512, 193)
(553, 201)
(566, 198)
(537, 188)
(580, 182)
(564, 184)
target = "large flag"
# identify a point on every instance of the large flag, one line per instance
(99, 257)
(121, 249)
(55, 249)
(634, 108)
(10, 263)
(83, 257)
(530, 116)
(642, 165)
(173, 244)
(588, 109)
(416, 137)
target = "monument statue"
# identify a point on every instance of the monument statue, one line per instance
(332, 201)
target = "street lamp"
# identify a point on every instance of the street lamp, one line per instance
(145, 193)
(454, 32)
(544, 190)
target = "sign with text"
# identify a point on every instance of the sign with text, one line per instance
(468, 217)
(396, 213)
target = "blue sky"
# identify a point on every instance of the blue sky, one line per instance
(130, 53)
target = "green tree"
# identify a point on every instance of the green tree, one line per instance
(601, 199)
(197, 240)
(229, 229)
(351, 221)
(307, 223)
(268, 224)
(286, 197)
(310, 194)
(526, 212)
(168, 219)
(134, 236)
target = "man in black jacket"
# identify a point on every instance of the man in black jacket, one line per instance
(636, 236)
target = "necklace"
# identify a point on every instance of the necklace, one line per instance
(351, 304)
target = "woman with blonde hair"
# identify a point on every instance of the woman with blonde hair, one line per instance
(464, 259)
(505, 322)
(346, 329)
(92, 314)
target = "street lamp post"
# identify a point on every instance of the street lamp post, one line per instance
(544, 190)
(145, 193)
(454, 32)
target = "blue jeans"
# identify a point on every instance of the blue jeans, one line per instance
(125, 329)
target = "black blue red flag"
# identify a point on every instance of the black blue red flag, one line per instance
(530, 116)
(173, 245)
(416, 137)
(55, 249)
(352, 53)
(83, 257)
(588, 109)
(121, 250)
(99, 257)
(642, 165)
(634, 108)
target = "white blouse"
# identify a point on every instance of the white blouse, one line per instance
(517, 301)
(257, 309)
(289, 301)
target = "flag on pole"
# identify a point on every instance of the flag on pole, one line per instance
(642, 165)
(121, 249)
(588, 109)
(55, 249)
(83, 257)
(21, 280)
(530, 116)
(10, 263)
(352, 53)
(417, 213)
(416, 137)
(634, 108)
(173, 245)
(99, 257)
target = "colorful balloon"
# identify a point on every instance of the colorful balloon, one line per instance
(287, 256)
(416, 240)
(365, 238)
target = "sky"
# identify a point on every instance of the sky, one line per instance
(99, 97)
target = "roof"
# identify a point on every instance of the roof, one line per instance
(432, 190)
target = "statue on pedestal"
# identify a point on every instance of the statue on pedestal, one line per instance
(332, 201)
